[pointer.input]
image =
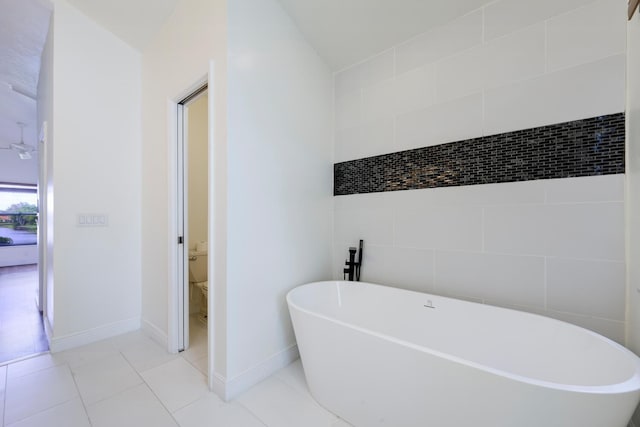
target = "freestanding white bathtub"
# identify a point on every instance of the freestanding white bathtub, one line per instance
(380, 356)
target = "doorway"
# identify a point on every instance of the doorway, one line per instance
(21, 325)
(192, 226)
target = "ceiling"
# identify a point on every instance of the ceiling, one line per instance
(345, 32)
(134, 21)
(23, 30)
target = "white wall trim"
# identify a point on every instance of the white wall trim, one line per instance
(229, 389)
(173, 335)
(213, 237)
(92, 335)
(174, 282)
(48, 330)
(218, 385)
(155, 333)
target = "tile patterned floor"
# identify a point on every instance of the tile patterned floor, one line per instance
(130, 380)
(21, 329)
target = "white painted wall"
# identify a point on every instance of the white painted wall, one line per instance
(197, 113)
(176, 59)
(552, 247)
(18, 255)
(280, 183)
(633, 184)
(15, 170)
(94, 280)
(198, 128)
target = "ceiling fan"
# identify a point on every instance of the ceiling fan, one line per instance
(24, 150)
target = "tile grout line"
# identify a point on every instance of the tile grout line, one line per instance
(545, 285)
(147, 385)
(75, 383)
(144, 382)
(300, 393)
(78, 396)
(119, 392)
(260, 420)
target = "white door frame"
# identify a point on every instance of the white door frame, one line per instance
(179, 213)
(182, 225)
(42, 218)
(176, 305)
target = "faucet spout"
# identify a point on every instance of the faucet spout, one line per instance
(352, 272)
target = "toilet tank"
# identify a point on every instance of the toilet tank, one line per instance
(197, 266)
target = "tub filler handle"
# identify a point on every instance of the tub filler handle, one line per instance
(353, 266)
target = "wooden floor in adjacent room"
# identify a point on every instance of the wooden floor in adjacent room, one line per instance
(21, 329)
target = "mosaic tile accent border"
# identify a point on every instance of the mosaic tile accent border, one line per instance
(588, 147)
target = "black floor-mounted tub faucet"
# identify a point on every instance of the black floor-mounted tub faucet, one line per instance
(352, 272)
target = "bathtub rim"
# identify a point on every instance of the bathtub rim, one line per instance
(631, 385)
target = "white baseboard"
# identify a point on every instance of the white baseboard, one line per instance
(217, 384)
(155, 333)
(92, 335)
(229, 389)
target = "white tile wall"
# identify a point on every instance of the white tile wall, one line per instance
(407, 268)
(502, 278)
(585, 287)
(452, 121)
(422, 228)
(459, 35)
(415, 89)
(378, 101)
(515, 57)
(588, 90)
(460, 75)
(609, 188)
(370, 72)
(505, 16)
(583, 230)
(554, 247)
(587, 34)
(511, 65)
(367, 140)
(377, 224)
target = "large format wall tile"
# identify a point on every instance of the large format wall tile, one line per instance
(459, 35)
(587, 287)
(583, 230)
(506, 127)
(505, 16)
(587, 34)
(589, 90)
(509, 279)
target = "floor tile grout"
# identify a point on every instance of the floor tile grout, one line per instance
(254, 415)
(105, 351)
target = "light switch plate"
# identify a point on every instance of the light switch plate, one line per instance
(93, 220)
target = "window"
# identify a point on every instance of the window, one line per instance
(18, 215)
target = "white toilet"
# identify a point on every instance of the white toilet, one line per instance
(198, 279)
